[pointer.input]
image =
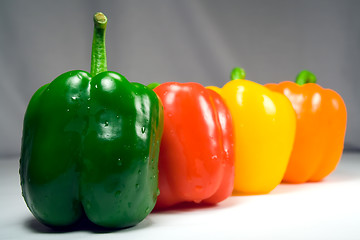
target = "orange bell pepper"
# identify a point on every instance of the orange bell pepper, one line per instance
(264, 125)
(320, 132)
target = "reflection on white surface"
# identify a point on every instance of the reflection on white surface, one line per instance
(324, 210)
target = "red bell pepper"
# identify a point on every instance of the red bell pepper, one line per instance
(196, 162)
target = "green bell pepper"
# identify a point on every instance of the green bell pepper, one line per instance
(90, 146)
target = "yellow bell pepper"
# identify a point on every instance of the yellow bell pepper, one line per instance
(264, 124)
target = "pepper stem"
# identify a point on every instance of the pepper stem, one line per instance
(98, 53)
(153, 85)
(304, 77)
(237, 73)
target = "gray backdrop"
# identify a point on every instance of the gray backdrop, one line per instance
(178, 41)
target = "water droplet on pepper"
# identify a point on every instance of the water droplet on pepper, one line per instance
(119, 163)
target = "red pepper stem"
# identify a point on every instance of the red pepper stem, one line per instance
(98, 53)
(237, 73)
(153, 85)
(304, 77)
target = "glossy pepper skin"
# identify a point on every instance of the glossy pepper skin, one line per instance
(90, 147)
(264, 125)
(196, 162)
(320, 131)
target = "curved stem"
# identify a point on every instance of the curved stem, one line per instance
(304, 77)
(98, 53)
(237, 73)
(153, 85)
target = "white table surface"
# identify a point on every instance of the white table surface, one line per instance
(326, 210)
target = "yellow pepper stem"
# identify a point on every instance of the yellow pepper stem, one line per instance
(237, 73)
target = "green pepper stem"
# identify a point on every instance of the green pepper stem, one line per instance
(304, 77)
(98, 53)
(237, 73)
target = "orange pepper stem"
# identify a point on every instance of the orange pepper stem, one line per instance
(304, 77)
(237, 73)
